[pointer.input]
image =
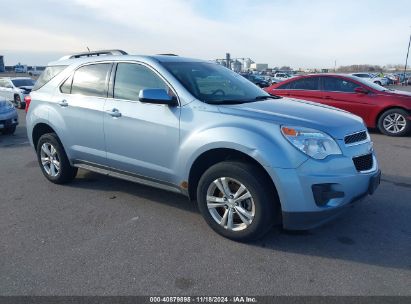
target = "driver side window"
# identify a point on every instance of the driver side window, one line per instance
(131, 78)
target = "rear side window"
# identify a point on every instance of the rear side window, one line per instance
(285, 86)
(131, 78)
(335, 84)
(48, 74)
(91, 80)
(309, 84)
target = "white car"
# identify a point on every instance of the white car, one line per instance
(15, 89)
(281, 76)
(35, 71)
(372, 78)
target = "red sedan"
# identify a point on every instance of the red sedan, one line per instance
(389, 110)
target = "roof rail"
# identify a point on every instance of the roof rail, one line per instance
(94, 53)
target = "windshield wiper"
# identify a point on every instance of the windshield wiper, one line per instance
(239, 101)
(263, 97)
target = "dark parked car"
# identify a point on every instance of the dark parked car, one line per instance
(389, 110)
(261, 82)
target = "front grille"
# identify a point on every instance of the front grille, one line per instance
(364, 162)
(356, 137)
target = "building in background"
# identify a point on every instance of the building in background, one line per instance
(236, 66)
(259, 67)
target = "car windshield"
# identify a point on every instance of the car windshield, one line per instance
(214, 84)
(23, 82)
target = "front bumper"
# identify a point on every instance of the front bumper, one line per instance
(337, 178)
(8, 119)
(309, 220)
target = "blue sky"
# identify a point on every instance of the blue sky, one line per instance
(298, 33)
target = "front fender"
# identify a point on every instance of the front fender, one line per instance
(270, 150)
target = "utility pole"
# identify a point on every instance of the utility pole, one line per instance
(406, 60)
(335, 65)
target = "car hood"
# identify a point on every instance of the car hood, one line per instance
(399, 93)
(294, 112)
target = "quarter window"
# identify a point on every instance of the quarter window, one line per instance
(66, 86)
(335, 84)
(91, 80)
(309, 84)
(131, 78)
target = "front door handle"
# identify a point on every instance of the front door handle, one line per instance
(114, 113)
(63, 103)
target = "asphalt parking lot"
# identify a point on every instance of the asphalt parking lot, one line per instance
(103, 236)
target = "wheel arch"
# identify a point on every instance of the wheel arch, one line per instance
(217, 155)
(40, 129)
(388, 109)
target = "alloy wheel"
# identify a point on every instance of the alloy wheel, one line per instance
(50, 159)
(394, 123)
(230, 204)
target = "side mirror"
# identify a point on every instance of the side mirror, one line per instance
(361, 90)
(157, 96)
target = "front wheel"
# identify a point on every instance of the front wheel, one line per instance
(53, 160)
(394, 123)
(235, 200)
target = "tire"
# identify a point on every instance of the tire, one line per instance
(49, 146)
(9, 131)
(261, 207)
(394, 123)
(17, 101)
(378, 82)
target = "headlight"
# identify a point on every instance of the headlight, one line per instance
(315, 144)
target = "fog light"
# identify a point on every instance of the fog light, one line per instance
(323, 193)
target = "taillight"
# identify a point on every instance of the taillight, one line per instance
(27, 100)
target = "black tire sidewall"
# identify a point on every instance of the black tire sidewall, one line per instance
(67, 172)
(393, 111)
(255, 182)
(9, 131)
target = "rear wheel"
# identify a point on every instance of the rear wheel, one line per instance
(378, 82)
(234, 200)
(394, 123)
(53, 160)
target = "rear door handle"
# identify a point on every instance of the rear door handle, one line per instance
(63, 103)
(327, 97)
(114, 113)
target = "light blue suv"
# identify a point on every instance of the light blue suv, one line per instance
(249, 159)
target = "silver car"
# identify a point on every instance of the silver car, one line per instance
(8, 117)
(249, 159)
(16, 89)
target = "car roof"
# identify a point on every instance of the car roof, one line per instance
(327, 74)
(144, 58)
